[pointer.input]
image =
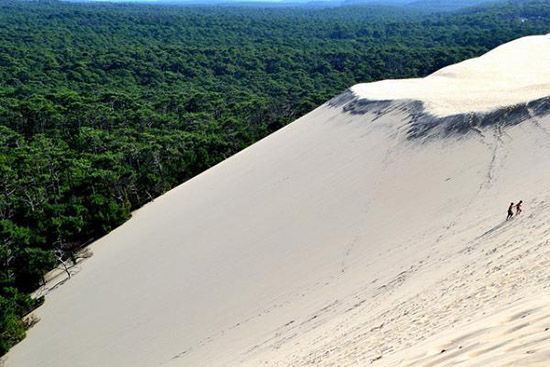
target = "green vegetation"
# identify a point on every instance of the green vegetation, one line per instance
(104, 107)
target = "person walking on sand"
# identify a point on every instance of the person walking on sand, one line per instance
(510, 212)
(518, 208)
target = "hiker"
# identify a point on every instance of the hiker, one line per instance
(510, 212)
(518, 208)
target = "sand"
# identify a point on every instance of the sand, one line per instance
(515, 72)
(336, 241)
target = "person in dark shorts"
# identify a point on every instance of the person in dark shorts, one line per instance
(518, 208)
(510, 212)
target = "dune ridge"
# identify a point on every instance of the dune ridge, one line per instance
(423, 124)
(516, 72)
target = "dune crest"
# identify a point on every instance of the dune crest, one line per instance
(340, 240)
(513, 73)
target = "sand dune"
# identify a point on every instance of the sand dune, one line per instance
(344, 239)
(512, 73)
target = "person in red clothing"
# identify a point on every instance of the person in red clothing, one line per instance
(518, 208)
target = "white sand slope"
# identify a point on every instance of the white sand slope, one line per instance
(340, 240)
(512, 73)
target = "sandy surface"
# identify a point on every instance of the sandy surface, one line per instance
(333, 242)
(510, 74)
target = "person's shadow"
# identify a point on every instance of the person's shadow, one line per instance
(494, 229)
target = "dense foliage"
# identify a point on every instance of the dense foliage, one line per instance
(104, 107)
